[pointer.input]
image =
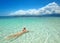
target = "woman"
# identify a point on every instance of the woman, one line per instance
(17, 33)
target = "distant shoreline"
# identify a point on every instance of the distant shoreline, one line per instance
(47, 15)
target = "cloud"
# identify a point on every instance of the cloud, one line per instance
(19, 12)
(23, 12)
(48, 9)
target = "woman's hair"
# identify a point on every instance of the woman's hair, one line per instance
(24, 28)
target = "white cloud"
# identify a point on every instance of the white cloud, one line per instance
(48, 9)
(32, 11)
(19, 12)
(23, 12)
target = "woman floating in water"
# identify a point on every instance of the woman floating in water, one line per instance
(17, 33)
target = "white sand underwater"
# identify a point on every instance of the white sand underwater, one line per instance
(42, 29)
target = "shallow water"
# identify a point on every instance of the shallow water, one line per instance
(41, 29)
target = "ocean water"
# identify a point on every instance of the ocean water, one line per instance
(41, 29)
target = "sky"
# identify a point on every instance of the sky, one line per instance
(8, 6)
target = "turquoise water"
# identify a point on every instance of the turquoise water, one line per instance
(41, 29)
